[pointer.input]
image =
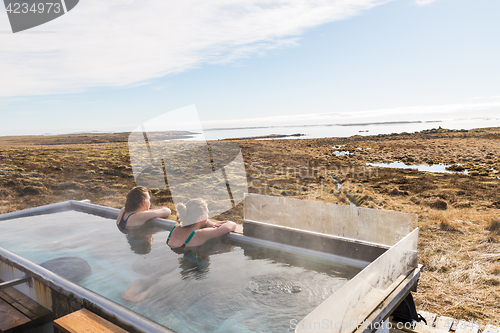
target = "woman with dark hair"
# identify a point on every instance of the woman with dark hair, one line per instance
(136, 210)
(194, 226)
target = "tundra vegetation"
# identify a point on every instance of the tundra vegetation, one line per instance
(458, 212)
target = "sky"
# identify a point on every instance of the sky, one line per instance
(114, 65)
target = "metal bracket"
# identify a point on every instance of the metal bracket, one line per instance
(15, 282)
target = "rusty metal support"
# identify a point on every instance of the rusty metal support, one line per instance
(15, 282)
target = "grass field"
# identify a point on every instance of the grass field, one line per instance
(459, 213)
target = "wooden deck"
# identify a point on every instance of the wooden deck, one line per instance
(18, 312)
(85, 321)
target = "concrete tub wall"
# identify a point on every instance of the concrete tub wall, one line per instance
(365, 224)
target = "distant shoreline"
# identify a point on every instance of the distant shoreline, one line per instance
(123, 137)
(324, 125)
(188, 133)
(270, 136)
(312, 128)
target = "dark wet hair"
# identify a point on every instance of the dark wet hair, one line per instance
(190, 212)
(135, 198)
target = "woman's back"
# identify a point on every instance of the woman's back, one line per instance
(194, 227)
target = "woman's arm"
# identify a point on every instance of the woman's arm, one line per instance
(202, 235)
(141, 217)
(219, 223)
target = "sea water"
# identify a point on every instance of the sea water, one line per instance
(358, 127)
(219, 287)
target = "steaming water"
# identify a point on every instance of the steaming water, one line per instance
(222, 287)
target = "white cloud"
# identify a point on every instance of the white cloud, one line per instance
(128, 42)
(423, 2)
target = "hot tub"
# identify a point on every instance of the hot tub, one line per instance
(276, 277)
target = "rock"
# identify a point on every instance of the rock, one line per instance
(456, 167)
(73, 269)
(439, 204)
(32, 190)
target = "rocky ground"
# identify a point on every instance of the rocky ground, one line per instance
(459, 216)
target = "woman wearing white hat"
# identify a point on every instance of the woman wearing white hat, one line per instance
(195, 228)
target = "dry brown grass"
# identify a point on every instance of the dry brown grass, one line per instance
(459, 241)
(494, 226)
(461, 265)
(342, 198)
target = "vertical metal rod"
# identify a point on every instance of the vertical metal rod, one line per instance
(164, 173)
(147, 144)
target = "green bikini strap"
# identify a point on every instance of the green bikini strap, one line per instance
(170, 232)
(190, 236)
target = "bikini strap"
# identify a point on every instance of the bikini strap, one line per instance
(170, 234)
(125, 220)
(122, 225)
(187, 240)
(190, 236)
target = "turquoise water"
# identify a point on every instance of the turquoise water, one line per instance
(221, 287)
